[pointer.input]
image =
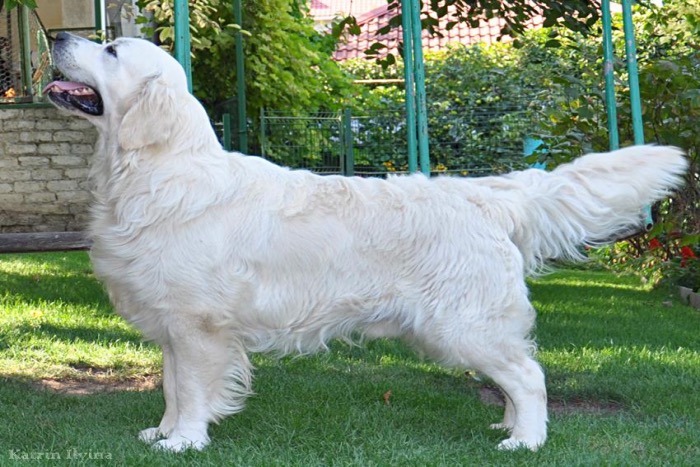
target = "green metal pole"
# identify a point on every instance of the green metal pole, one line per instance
(631, 53)
(182, 38)
(25, 50)
(635, 99)
(408, 80)
(240, 81)
(100, 20)
(348, 163)
(226, 124)
(609, 73)
(419, 72)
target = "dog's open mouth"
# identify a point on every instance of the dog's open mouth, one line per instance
(73, 95)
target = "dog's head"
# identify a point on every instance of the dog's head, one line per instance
(129, 87)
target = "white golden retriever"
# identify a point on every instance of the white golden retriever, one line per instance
(214, 255)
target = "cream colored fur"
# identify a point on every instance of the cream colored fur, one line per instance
(214, 255)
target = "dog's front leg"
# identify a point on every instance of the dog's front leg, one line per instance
(196, 365)
(167, 424)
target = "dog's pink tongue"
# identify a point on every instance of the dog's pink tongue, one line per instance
(63, 86)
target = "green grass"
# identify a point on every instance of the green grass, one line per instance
(622, 364)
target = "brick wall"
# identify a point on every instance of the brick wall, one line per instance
(44, 158)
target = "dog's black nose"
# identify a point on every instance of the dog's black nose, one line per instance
(62, 36)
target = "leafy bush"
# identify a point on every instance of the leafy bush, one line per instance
(288, 64)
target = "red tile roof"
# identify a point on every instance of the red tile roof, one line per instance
(324, 11)
(355, 46)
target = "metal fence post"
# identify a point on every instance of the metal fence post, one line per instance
(631, 54)
(100, 23)
(419, 70)
(226, 123)
(240, 81)
(25, 50)
(182, 38)
(347, 163)
(408, 78)
(263, 129)
(609, 73)
(635, 99)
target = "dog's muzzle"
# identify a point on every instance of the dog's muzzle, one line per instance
(69, 94)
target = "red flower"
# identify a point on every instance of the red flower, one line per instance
(686, 254)
(654, 244)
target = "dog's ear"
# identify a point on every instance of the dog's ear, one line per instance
(151, 117)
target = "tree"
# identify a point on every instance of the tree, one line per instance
(287, 63)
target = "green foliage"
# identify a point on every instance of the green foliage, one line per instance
(481, 102)
(10, 4)
(287, 62)
(664, 259)
(481, 105)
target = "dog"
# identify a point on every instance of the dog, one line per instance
(214, 255)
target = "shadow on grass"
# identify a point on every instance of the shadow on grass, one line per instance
(102, 335)
(78, 289)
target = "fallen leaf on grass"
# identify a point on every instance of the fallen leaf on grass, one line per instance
(387, 396)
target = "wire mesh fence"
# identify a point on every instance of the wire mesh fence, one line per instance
(25, 58)
(314, 142)
(475, 141)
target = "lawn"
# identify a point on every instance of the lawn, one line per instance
(622, 364)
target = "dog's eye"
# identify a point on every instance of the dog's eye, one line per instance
(110, 49)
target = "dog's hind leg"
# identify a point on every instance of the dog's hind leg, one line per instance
(208, 378)
(496, 345)
(522, 379)
(508, 416)
(503, 352)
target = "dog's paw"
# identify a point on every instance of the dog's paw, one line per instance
(150, 435)
(501, 426)
(176, 443)
(512, 444)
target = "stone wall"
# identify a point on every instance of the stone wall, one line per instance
(44, 159)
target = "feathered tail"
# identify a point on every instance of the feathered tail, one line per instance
(594, 199)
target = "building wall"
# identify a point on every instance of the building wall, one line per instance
(44, 161)
(61, 14)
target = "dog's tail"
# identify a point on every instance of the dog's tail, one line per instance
(595, 199)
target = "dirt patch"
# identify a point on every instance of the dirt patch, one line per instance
(492, 396)
(92, 380)
(86, 387)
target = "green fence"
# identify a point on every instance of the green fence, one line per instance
(482, 140)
